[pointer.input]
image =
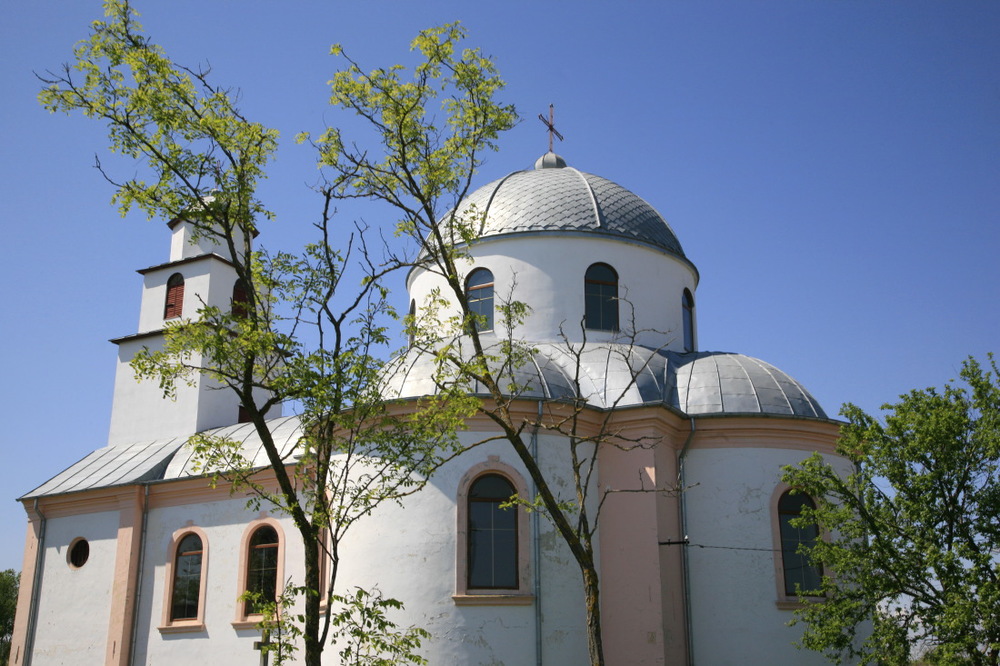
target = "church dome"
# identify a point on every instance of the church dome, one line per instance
(557, 197)
(618, 375)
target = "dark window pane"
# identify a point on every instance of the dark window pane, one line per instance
(600, 289)
(505, 559)
(479, 292)
(492, 486)
(504, 519)
(492, 534)
(187, 579)
(688, 308)
(262, 567)
(797, 569)
(480, 560)
(481, 515)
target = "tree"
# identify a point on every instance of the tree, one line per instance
(9, 583)
(304, 331)
(421, 162)
(913, 558)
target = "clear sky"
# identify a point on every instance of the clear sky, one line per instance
(831, 168)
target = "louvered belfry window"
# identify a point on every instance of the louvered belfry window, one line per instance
(175, 297)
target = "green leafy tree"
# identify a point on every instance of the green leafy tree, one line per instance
(9, 584)
(430, 132)
(306, 333)
(914, 554)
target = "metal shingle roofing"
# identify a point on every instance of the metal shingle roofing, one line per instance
(620, 375)
(552, 197)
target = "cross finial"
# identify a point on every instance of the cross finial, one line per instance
(550, 123)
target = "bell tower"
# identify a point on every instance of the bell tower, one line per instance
(199, 272)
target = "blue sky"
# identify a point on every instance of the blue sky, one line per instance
(831, 168)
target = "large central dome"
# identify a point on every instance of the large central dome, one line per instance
(556, 197)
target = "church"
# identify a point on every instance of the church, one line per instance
(131, 557)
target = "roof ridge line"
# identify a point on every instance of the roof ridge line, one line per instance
(598, 211)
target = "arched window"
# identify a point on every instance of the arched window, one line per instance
(241, 299)
(184, 593)
(479, 291)
(493, 555)
(600, 294)
(175, 297)
(492, 534)
(187, 579)
(687, 302)
(262, 568)
(798, 571)
(412, 321)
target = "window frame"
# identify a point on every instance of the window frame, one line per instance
(412, 323)
(240, 300)
(196, 624)
(244, 619)
(478, 303)
(784, 600)
(173, 303)
(73, 552)
(607, 305)
(687, 321)
(464, 594)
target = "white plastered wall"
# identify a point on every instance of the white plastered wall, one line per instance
(408, 552)
(75, 603)
(734, 613)
(139, 411)
(224, 522)
(546, 271)
(207, 281)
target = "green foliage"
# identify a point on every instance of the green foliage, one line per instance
(203, 158)
(280, 630)
(313, 331)
(368, 635)
(915, 546)
(421, 153)
(9, 584)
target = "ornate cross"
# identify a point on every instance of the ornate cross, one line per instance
(551, 124)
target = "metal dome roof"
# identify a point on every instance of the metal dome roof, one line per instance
(619, 375)
(556, 197)
(610, 376)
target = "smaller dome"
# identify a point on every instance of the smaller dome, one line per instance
(550, 161)
(724, 383)
(619, 375)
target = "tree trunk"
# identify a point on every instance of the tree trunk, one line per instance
(592, 593)
(310, 630)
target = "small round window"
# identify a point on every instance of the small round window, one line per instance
(79, 553)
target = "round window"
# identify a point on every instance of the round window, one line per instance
(79, 552)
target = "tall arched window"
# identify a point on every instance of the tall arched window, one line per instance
(798, 571)
(479, 291)
(241, 299)
(186, 591)
(175, 297)
(492, 534)
(600, 294)
(262, 568)
(687, 302)
(185, 582)
(412, 322)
